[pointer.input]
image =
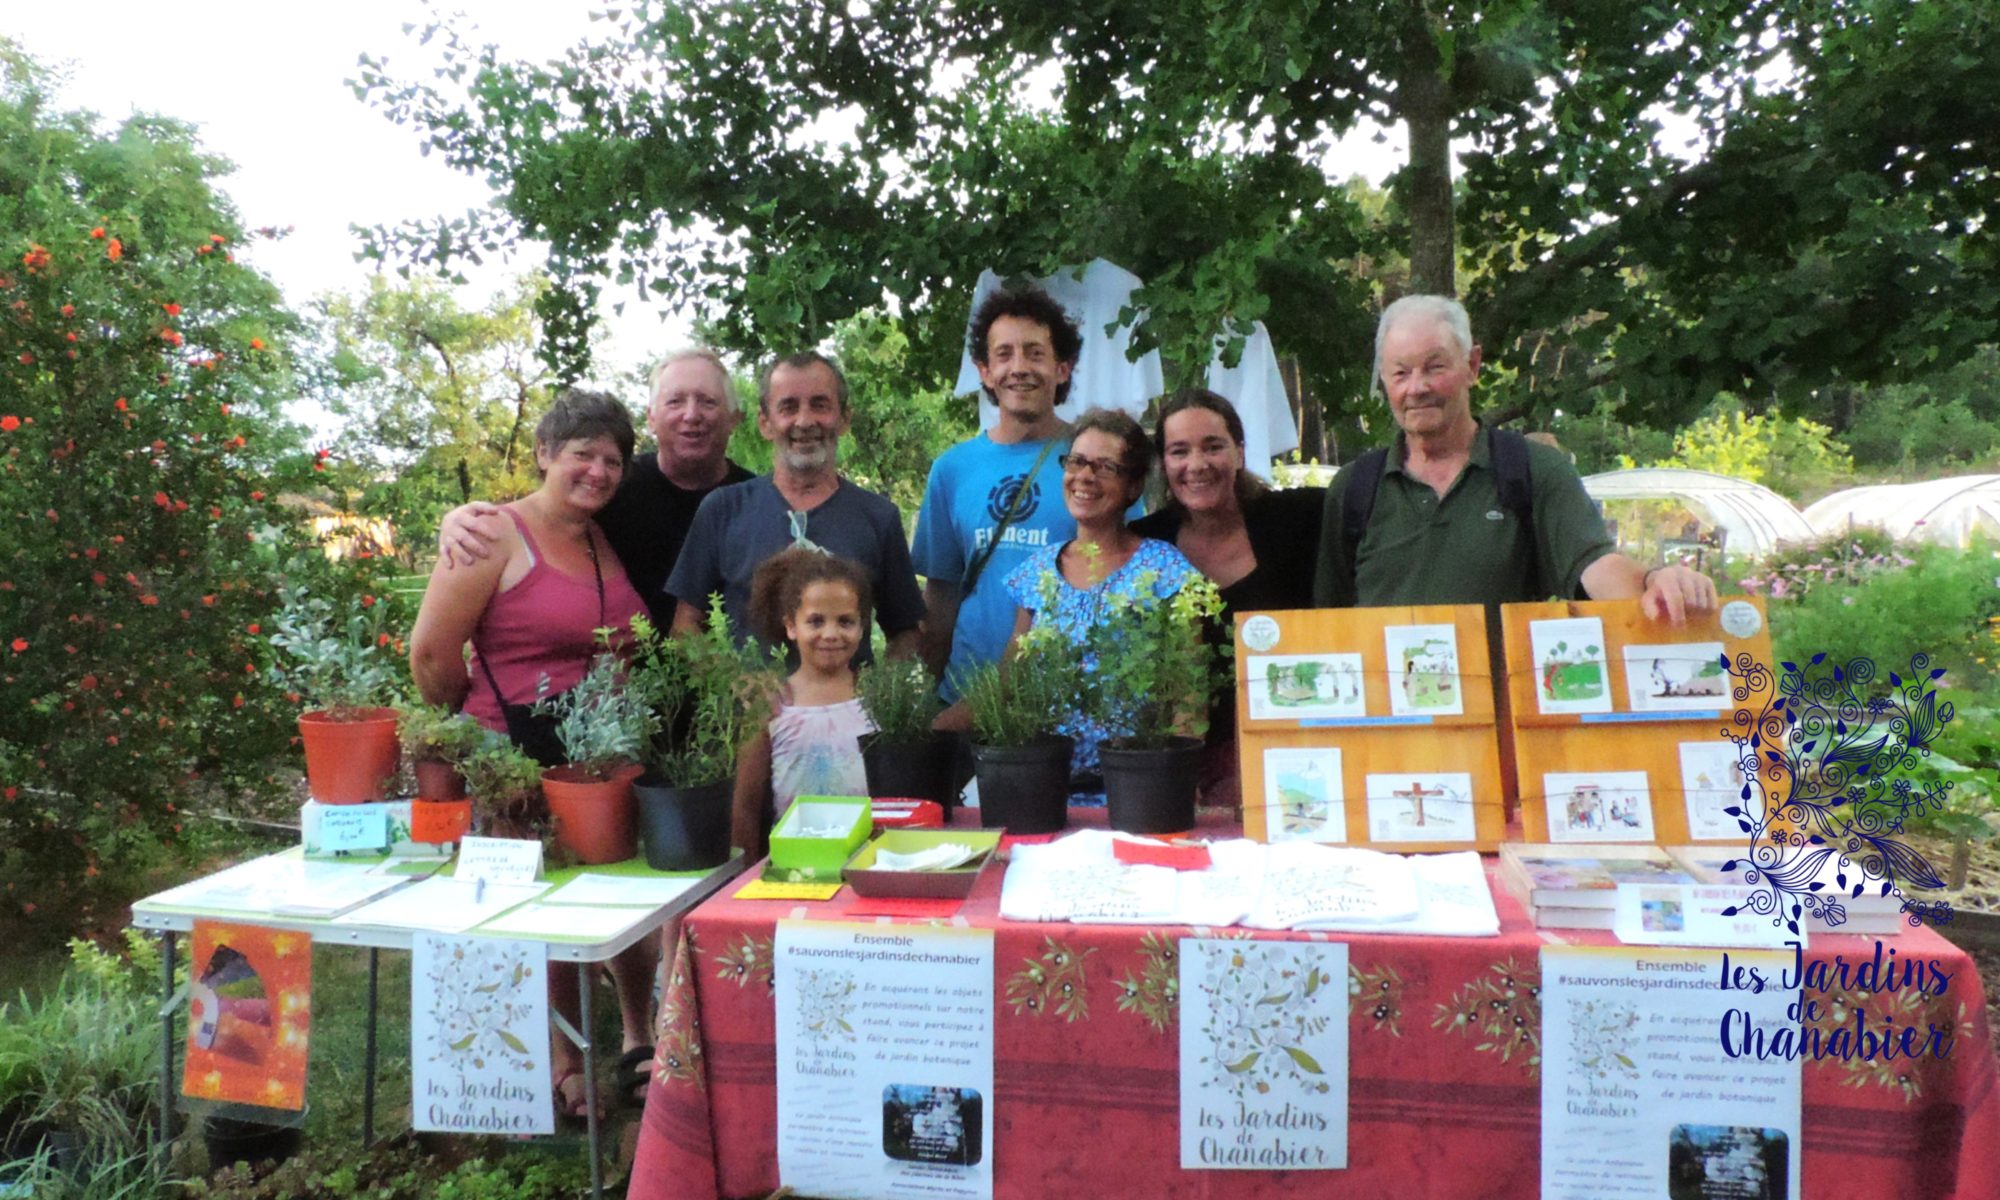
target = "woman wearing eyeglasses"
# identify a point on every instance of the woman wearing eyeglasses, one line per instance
(1103, 476)
(1257, 544)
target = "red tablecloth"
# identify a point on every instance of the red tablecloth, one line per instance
(1444, 1096)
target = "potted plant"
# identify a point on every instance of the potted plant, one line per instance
(1021, 762)
(1152, 675)
(435, 741)
(710, 698)
(905, 757)
(343, 666)
(506, 791)
(604, 726)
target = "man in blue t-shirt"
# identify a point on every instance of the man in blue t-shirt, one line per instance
(1004, 482)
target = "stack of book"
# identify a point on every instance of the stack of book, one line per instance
(1575, 886)
(1870, 913)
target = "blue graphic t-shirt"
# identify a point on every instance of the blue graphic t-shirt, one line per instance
(1155, 571)
(969, 490)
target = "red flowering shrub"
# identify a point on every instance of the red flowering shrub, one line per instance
(141, 450)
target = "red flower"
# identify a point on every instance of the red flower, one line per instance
(121, 406)
(256, 495)
(160, 498)
(256, 343)
(170, 337)
(173, 310)
(253, 627)
(98, 233)
(217, 238)
(114, 250)
(69, 310)
(88, 683)
(382, 639)
(149, 600)
(20, 645)
(368, 602)
(27, 359)
(9, 423)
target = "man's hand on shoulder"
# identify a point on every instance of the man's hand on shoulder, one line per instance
(1672, 592)
(467, 534)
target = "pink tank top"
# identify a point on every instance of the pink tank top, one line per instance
(544, 625)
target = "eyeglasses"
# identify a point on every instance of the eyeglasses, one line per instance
(1077, 464)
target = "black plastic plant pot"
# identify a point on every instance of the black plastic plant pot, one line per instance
(253, 1143)
(1152, 791)
(685, 829)
(1024, 789)
(911, 770)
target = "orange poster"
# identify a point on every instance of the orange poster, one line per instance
(249, 1015)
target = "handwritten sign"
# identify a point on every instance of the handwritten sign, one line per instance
(342, 829)
(499, 860)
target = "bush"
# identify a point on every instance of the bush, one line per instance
(142, 452)
(1943, 604)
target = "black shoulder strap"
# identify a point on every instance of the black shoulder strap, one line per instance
(1357, 503)
(1512, 474)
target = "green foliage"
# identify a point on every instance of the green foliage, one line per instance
(709, 697)
(84, 1056)
(431, 732)
(332, 1170)
(142, 451)
(1945, 422)
(900, 425)
(338, 657)
(604, 721)
(1785, 455)
(901, 698)
(439, 402)
(1943, 601)
(520, 1175)
(1023, 699)
(140, 1175)
(1795, 568)
(1152, 671)
(505, 786)
(1965, 756)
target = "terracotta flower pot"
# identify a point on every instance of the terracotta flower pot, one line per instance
(595, 819)
(350, 762)
(437, 780)
(435, 822)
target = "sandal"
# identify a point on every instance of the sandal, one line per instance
(577, 1108)
(635, 1075)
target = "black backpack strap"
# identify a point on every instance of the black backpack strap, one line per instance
(1357, 504)
(1512, 474)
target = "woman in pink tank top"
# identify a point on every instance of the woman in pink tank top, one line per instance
(531, 609)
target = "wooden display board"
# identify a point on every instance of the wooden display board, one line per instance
(1369, 727)
(1617, 720)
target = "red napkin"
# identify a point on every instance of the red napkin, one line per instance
(903, 906)
(1181, 856)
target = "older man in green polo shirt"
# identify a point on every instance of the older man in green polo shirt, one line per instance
(1446, 525)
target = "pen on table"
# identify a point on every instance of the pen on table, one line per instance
(479, 889)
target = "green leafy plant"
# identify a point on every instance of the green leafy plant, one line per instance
(900, 698)
(709, 696)
(392, 1170)
(1943, 600)
(603, 722)
(433, 733)
(505, 786)
(1023, 699)
(1152, 673)
(344, 663)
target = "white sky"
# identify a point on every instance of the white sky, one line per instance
(265, 84)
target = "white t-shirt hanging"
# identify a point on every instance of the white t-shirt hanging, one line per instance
(1257, 388)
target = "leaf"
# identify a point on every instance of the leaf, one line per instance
(1730, 865)
(1894, 682)
(1306, 1061)
(1730, 911)
(513, 1043)
(1937, 674)
(465, 1043)
(1243, 1064)
(1732, 811)
(1276, 998)
(1626, 1062)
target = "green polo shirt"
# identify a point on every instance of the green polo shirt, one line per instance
(1463, 548)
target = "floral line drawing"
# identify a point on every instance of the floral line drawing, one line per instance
(1376, 995)
(1827, 765)
(1051, 982)
(1504, 1008)
(826, 1000)
(749, 958)
(478, 993)
(1603, 1036)
(1155, 992)
(1260, 1008)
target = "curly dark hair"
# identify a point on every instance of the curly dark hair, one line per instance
(1029, 304)
(780, 584)
(1248, 486)
(578, 413)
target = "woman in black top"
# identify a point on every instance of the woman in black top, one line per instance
(1256, 543)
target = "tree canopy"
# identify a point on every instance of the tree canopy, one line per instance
(784, 165)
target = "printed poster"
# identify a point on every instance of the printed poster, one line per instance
(1711, 780)
(1571, 672)
(249, 1015)
(479, 1036)
(1263, 1055)
(1683, 677)
(1420, 808)
(1598, 806)
(1303, 794)
(1640, 1095)
(1423, 670)
(885, 1060)
(1298, 687)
